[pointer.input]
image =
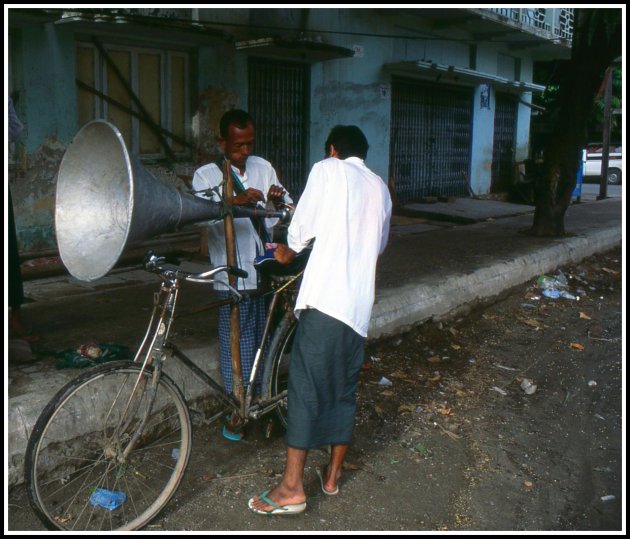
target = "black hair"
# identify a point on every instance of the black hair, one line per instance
(348, 140)
(236, 117)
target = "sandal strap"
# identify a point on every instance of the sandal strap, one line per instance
(268, 501)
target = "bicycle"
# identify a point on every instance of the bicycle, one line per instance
(118, 468)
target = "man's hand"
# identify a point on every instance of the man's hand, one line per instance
(284, 254)
(249, 197)
(276, 194)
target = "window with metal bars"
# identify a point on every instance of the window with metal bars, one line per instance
(279, 103)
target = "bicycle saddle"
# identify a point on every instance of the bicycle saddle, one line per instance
(267, 265)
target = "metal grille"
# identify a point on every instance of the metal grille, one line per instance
(565, 23)
(431, 132)
(279, 103)
(503, 146)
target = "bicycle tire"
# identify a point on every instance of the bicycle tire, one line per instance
(279, 360)
(72, 457)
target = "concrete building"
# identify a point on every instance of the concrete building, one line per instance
(443, 94)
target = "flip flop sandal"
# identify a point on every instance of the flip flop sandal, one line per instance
(233, 436)
(289, 509)
(320, 474)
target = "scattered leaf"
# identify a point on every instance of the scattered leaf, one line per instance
(577, 346)
(350, 466)
(434, 359)
(208, 477)
(532, 322)
(455, 346)
(446, 411)
(379, 410)
(436, 378)
(387, 393)
(585, 316)
(406, 408)
(611, 271)
(528, 484)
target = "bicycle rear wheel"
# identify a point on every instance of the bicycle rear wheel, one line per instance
(76, 475)
(277, 365)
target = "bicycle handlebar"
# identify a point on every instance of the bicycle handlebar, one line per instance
(156, 264)
(244, 211)
(238, 272)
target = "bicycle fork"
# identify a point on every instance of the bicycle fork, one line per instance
(164, 304)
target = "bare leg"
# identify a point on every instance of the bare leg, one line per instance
(291, 487)
(332, 473)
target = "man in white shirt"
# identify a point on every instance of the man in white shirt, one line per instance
(252, 177)
(346, 209)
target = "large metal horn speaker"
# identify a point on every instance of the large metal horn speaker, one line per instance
(107, 201)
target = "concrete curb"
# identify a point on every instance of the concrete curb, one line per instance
(398, 309)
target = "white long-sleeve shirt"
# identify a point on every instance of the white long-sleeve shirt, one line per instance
(347, 209)
(258, 174)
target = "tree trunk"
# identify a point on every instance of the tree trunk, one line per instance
(595, 45)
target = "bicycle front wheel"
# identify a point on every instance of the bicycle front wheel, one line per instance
(78, 476)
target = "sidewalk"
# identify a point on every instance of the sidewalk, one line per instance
(431, 270)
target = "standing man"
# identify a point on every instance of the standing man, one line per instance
(346, 208)
(253, 177)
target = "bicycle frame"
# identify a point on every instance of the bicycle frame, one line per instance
(157, 335)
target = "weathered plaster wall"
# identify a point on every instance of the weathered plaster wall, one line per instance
(48, 112)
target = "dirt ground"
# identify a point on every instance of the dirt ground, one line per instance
(451, 442)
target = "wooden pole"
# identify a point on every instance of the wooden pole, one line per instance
(235, 324)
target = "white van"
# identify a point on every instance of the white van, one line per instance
(593, 163)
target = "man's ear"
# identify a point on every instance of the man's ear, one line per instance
(333, 152)
(222, 143)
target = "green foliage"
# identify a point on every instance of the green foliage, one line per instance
(597, 116)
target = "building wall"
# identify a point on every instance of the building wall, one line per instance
(354, 90)
(47, 108)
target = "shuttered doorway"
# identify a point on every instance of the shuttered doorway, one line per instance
(279, 104)
(431, 134)
(503, 145)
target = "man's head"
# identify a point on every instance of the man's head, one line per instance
(348, 141)
(237, 136)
